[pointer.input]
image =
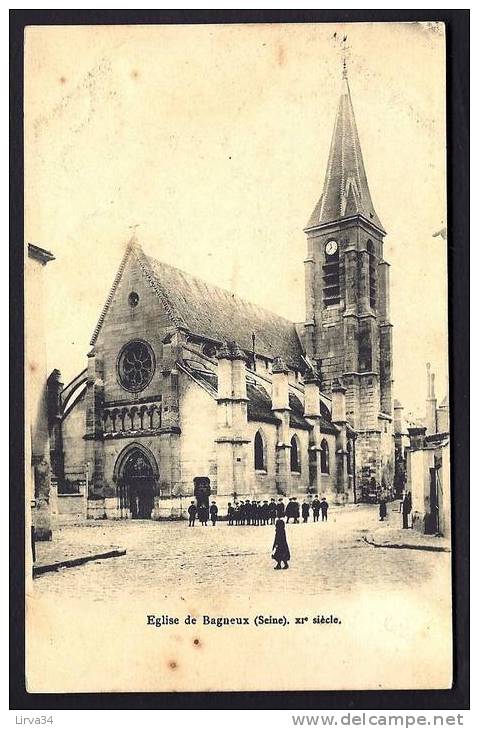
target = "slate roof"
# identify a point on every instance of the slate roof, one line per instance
(346, 191)
(215, 313)
(259, 402)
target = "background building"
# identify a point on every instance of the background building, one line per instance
(428, 466)
(37, 458)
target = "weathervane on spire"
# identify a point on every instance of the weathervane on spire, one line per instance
(344, 53)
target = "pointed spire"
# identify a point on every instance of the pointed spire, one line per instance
(346, 191)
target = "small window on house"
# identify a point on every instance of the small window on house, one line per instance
(324, 455)
(331, 274)
(350, 458)
(295, 458)
(259, 452)
(372, 275)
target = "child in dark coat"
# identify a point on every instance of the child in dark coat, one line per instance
(281, 551)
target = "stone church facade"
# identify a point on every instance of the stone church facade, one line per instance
(191, 392)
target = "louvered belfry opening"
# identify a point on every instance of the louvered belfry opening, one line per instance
(331, 293)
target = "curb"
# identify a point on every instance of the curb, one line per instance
(425, 547)
(75, 561)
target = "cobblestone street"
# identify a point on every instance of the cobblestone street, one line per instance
(392, 607)
(170, 559)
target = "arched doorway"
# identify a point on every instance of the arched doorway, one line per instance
(202, 490)
(136, 479)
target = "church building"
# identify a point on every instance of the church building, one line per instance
(192, 392)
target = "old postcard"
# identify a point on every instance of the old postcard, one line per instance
(237, 470)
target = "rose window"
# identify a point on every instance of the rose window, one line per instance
(136, 366)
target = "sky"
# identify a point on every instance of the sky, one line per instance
(213, 140)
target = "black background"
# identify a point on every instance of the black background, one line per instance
(457, 59)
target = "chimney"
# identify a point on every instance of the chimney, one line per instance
(338, 405)
(398, 418)
(431, 402)
(417, 437)
(443, 416)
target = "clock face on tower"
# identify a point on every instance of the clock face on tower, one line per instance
(331, 247)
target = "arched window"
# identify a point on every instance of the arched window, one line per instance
(259, 452)
(324, 457)
(350, 458)
(331, 273)
(372, 275)
(295, 457)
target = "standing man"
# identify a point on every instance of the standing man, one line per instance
(192, 511)
(406, 510)
(305, 511)
(264, 513)
(383, 509)
(231, 513)
(280, 509)
(296, 510)
(213, 513)
(289, 513)
(203, 515)
(272, 511)
(247, 512)
(316, 508)
(324, 509)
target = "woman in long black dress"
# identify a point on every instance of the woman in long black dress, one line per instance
(280, 546)
(383, 509)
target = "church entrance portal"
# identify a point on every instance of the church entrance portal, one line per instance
(202, 491)
(136, 486)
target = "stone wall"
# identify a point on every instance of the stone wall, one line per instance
(73, 432)
(70, 508)
(263, 482)
(420, 461)
(198, 433)
(36, 414)
(147, 320)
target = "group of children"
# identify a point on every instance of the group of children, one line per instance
(257, 513)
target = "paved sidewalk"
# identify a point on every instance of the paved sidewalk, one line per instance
(390, 534)
(69, 548)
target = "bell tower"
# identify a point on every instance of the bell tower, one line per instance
(347, 323)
